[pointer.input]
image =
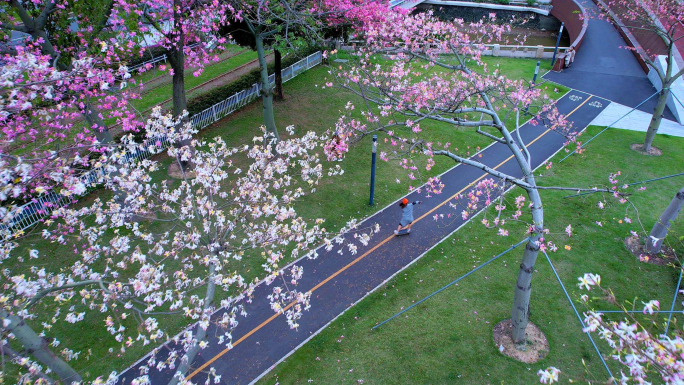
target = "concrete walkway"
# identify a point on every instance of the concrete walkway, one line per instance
(635, 120)
(604, 69)
(337, 281)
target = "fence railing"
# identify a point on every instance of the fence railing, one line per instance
(522, 51)
(32, 212)
(156, 60)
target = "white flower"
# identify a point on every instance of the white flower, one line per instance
(548, 376)
(648, 307)
(589, 280)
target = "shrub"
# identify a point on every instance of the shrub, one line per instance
(531, 3)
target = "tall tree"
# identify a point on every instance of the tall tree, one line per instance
(430, 79)
(663, 18)
(288, 25)
(186, 29)
(125, 276)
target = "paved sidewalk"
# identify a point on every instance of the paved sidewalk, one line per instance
(635, 121)
(339, 281)
(604, 69)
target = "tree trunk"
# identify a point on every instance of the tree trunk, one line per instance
(520, 314)
(656, 118)
(266, 88)
(38, 348)
(278, 76)
(189, 357)
(660, 229)
(104, 136)
(6, 351)
(176, 58)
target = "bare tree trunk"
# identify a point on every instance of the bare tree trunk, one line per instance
(266, 88)
(176, 57)
(38, 348)
(96, 124)
(657, 118)
(12, 355)
(104, 136)
(201, 335)
(660, 229)
(520, 315)
(278, 76)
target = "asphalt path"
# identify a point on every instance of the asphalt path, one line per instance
(338, 281)
(604, 68)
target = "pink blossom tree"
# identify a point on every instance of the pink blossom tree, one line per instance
(44, 147)
(663, 18)
(49, 24)
(428, 78)
(186, 29)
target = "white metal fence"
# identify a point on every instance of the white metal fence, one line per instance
(156, 60)
(32, 212)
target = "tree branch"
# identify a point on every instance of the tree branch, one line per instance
(42, 19)
(485, 168)
(13, 27)
(45, 292)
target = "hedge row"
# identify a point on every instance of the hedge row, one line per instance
(201, 102)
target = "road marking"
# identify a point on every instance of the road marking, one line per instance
(352, 263)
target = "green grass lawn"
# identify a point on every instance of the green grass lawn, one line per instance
(448, 339)
(162, 93)
(155, 73)
(307, 106)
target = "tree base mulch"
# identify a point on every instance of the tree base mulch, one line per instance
(534, 349)
(637, 246)
(175, 172)
(654, 151)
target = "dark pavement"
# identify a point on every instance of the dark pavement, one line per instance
(604, 69)
(338, 281)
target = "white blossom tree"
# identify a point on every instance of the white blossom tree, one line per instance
(240, 205)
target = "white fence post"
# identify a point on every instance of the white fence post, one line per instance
(213, 111)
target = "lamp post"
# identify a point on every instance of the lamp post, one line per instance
(536, 72)
(555, 51)
(372, 183)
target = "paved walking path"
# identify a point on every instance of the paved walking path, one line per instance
(604, 69)
(338, 281)
(634, 120)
